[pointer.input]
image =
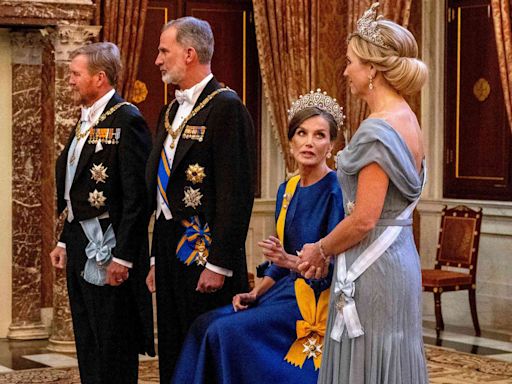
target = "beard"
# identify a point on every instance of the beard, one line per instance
(167, 78)
(174, 76)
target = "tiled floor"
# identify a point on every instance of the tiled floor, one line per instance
(20, 355)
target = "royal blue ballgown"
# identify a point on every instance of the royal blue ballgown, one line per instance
(249, 346)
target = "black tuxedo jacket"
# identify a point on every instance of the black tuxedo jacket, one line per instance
(126, 199)
(227, 154)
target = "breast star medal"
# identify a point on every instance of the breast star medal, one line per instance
(96, 199)
(99, 173)
(192, 197)
(311, 348)
(195, 173)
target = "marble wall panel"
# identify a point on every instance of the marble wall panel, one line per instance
(48, 196)
(26, 192)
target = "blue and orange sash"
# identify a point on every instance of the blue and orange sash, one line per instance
(195, 242)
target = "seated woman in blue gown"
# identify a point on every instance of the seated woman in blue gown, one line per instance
(274, 334)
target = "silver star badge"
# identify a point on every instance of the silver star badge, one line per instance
(192, 197)
(97, 199)
(99, 173)
(311, 348)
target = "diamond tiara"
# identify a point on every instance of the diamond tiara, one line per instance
(320, 100)
(368, 29)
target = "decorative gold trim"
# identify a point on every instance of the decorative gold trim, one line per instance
(244, 62)
(457, 118)
(140, 92)
(481, 89)
(168, 124)
(457, 111)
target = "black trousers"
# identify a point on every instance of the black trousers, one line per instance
(178, 302)
(102, 321)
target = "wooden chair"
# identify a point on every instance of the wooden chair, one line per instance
(459, 236)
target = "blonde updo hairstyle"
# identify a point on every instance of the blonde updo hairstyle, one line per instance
(398, 64)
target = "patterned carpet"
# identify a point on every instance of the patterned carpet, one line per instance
(445, 367)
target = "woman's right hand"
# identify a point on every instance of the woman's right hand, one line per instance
(242, 301)
(273, 251)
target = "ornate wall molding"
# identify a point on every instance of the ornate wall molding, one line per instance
(66, 38)
(26, 48)
(45, 13)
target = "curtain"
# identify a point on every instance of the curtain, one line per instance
(286, 33)
(502, 31)
(395, 10)
(123, 24)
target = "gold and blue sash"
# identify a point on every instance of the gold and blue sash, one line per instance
(164, 172)
(195, 242)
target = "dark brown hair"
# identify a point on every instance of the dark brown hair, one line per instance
(307, 113)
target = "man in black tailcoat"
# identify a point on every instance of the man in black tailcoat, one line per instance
(200, 176)
(100, 180)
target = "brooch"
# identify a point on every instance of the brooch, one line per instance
(99, 173)
(192, 197)
(195, 173)
(97, 199)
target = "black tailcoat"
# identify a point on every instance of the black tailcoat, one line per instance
(104, 317)
(227, 154)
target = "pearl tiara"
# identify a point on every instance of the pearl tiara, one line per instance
(320, 100)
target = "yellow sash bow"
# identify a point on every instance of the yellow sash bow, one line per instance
(311, 330)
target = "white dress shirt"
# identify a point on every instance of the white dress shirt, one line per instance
(190, 98)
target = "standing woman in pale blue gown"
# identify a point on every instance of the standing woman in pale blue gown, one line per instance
(374, 332)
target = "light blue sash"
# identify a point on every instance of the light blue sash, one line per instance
(98, 251)
(344, 288)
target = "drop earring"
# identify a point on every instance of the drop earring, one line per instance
(370, 86)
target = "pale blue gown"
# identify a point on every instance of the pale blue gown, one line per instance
(388, 294)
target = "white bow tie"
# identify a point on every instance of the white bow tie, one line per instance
(184, 96)
(86, 115)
